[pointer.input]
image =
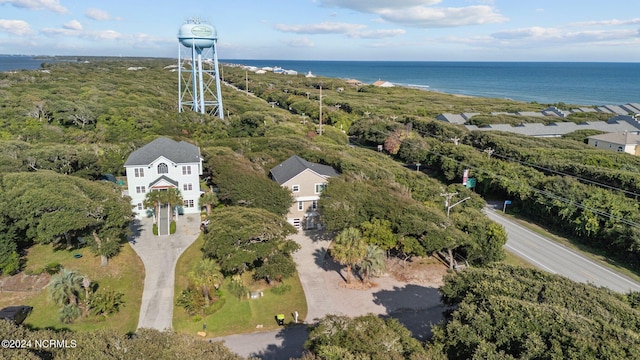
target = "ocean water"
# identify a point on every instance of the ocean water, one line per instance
(578, 83)
(18, 62)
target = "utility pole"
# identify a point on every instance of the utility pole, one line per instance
(447, 201)
(320, 116)
(448, 197)
(246, 81)
(489, 151)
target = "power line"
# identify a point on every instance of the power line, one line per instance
(491, 152)
(534, 189)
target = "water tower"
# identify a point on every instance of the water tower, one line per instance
(198, 76)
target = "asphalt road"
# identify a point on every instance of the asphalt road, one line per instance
(557, 259)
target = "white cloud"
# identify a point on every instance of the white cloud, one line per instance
(422, 13)
(15, 27)
(321, 28)
(73, 25)
(613, 22)
(52, 5)
(300, 42)
(559, 35)
(426, 17)
(531, 32)
(97, 14)
(376, 34)
(373, 6)
(354, 31)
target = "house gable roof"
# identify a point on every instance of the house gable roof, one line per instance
(178, 152)
(294, 165)
(163, 182)
(623, 138)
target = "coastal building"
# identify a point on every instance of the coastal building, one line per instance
(354, 82)
(459, 119)
(381, 83)
(164, 164)
(615, 124)
(621, 142)
(306, 181)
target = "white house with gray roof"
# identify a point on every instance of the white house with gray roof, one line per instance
(306, 181)
(163, 164)
(621, 142)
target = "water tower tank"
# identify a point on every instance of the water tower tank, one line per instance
(198, 35)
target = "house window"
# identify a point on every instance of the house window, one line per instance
(300, 205)
(596, 143)
(138, 172)
(189, 203)
(295, 188)
(320, 187)
(186, 170)
(187, 187)
(140, 190)
(163, 168)
(139, 206)
(314, 205)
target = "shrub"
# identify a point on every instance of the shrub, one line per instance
(236, 288)
(52, 268)
(105, 302)
(69, 313)
(155, 229)
(191, 300)
(172, 227)
(281, 289)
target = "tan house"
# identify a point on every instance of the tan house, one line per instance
(622, 142)
(305, 180)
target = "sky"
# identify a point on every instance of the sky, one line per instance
(403, 30)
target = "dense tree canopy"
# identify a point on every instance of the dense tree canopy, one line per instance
(241, 185)
(46, 207)
(242, 238)
(363, 337)
(505, 311)
(108, 344)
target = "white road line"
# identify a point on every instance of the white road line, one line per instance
(519, 253)
(635, 285)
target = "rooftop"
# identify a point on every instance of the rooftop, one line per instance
(294, 165)
(178, 152)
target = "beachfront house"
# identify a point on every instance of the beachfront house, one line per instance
(306, 181)
(381, 83)
(621, 142)
(164, 164)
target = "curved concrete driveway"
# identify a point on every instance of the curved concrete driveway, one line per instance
(160, 255)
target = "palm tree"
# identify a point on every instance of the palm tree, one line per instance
(204, 275)
(65, 287)
(208, 199)
(349, 248)
(68, 313)
(153, 199)
(373, 262)
(171, 197)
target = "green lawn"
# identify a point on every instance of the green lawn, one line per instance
(125, 273)
(237, 316)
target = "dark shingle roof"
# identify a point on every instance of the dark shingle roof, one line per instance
(294, 165)
(178, 152)
(163, 178)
